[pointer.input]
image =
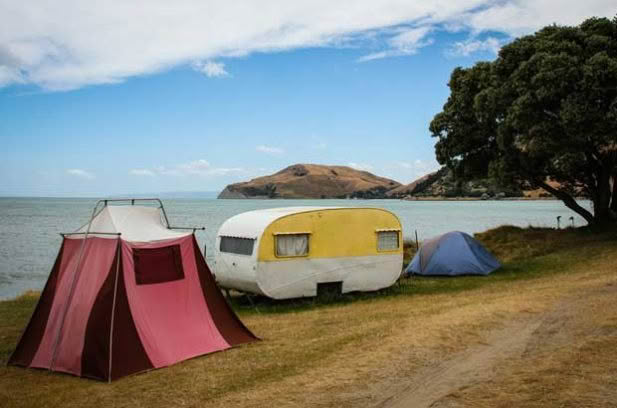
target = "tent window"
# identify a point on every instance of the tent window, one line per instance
(158, 265)
(292, 245)
(235, 245)
(387, 240)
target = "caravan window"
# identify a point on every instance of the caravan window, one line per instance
(292, 244)
(235, 245)
(157, 265)
(387, 240)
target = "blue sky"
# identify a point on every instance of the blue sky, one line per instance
(101, 118)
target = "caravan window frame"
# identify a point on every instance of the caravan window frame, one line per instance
(279, 234)
(384, 231)
(234, 238)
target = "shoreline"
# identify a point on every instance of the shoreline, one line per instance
(424, 198)
(439, 198)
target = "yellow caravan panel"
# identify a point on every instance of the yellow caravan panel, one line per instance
(287, 252)
(340, 232)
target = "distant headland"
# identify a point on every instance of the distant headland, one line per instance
(314, 181)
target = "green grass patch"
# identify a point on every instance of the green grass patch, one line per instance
(14, 315)
(529, 253)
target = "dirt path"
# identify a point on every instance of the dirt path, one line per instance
(519, 341)
(471, 366)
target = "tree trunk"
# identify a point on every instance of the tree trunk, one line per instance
(614, 196)
(570, 202)
(602, 214)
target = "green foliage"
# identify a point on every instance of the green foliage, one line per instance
(373, 193)
(545, 109)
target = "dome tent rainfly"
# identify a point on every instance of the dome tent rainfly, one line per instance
(451, 254)
(127, 294)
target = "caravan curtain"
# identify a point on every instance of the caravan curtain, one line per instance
(387, 240)
(292, 245)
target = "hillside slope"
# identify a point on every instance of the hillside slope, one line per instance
(442, 183)
(313, 181)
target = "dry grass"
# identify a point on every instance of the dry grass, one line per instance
(357, 350)
(409, 251)
(571, 361)
(510, 243)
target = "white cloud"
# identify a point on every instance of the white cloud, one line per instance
(422, 167)
(410, 171)
(66, 44)
(406, 42)
(223, 171)
(10, 75)
(141, 172)
(466, 48)
(360, 166)
(269, 149)
(517, 18)
(80, 173)
(211, 69)
(199, 167)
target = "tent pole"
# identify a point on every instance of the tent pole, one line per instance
(72, 290)
(164, 213)
(248, 296)
(64, 234)
(113, 309)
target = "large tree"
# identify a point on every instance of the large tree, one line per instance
(542, 115)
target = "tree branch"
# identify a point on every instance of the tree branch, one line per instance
(569, 201)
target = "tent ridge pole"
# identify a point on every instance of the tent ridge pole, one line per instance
(164, 213)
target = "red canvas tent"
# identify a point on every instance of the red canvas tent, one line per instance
(127, 293)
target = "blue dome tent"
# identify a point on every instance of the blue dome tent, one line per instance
(451, 254)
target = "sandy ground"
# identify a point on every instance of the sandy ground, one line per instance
(474, 374)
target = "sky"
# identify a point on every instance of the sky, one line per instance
(120, 98)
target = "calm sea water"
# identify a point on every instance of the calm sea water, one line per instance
(30, 227)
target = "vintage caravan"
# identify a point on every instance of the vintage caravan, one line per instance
(294, 252)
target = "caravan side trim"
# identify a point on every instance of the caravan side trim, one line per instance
(299, 277)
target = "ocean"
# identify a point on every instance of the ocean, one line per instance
(30, 227)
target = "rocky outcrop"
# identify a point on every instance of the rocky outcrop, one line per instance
(229, 193)
(418, 186)
(313, 181)
(442, 183)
